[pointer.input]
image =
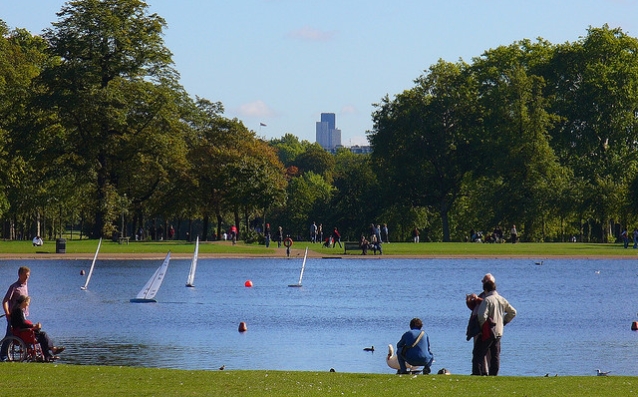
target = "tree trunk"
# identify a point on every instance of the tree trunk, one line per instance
(236, 213)
(205, 226)
(100, 211)
(445, 221)
(219, 224)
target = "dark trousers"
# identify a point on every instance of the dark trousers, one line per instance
(5, 346)
(486, 356)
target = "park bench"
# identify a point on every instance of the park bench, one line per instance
(351, 246)
(123, 240)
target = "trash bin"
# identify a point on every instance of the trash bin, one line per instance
(60, 246)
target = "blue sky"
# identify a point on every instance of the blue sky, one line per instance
(284, 62)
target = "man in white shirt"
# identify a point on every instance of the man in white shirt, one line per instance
(493, 314)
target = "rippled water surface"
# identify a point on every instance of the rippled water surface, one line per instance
(574, 315)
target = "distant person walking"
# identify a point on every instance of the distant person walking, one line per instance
(313, 232)
(280, 236)
(336, 238)
(625, 237)
(493, 314)
(385, 233)
(514, 234)
(415, 235)
(267, 235)
(635, 238)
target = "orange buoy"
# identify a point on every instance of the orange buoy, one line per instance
(242, 327)
(248, 283)
(287, 242)
(634, 326)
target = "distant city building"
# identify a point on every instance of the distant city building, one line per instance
(328, 136)
(356, 149)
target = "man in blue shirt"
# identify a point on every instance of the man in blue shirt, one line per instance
(414, 347)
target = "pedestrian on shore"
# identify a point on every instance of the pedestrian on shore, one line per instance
(493, 314)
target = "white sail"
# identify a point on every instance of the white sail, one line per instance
(88, 278)
(303, 265)
(191, 273)
(147, 294)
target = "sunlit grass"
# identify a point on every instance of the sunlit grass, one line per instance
(78, 380)
(536, 250)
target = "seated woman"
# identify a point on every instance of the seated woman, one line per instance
(18, 322)
(364, 245)
(375, 244)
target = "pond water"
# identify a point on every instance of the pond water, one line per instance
(574, 316)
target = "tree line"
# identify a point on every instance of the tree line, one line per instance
(96, 131)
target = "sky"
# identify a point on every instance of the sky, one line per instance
(284, 62)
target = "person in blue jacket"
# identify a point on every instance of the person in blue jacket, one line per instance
(414, 347)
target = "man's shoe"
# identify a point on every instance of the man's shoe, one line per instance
(57, 350)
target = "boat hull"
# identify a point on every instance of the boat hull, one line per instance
(142, 300)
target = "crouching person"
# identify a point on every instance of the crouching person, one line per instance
(414, 347)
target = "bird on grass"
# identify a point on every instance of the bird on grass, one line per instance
(222, 367)
(369, 349)
(601, 373)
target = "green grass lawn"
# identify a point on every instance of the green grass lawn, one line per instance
(534, 250)
(32, 379)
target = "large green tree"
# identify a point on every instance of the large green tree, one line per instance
(109, 51)
(594, 84)
(424, 139)
(522, 171)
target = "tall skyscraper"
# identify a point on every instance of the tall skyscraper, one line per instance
(328, 136)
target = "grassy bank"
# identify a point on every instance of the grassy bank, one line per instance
(536, 250)
(65, 380)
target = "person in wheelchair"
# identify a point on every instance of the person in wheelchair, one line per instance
(22, 328)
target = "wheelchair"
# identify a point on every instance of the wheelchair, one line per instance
(23, 346)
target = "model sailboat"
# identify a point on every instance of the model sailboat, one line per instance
(88, 278)
(147, 294)
(191, 273)
(303, 265)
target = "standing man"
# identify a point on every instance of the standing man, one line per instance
(313, 232)
(414, 347)
(493, 314)
(267, 235)
(514, 234)
(625, 237)
(17, 289)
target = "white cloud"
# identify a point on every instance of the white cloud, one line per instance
(308, 33)
(349, 109)
(255, 109)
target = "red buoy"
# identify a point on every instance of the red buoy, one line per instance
(248, 283)
(242, 327)
(634, 326)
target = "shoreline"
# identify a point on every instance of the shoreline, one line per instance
(295, 253)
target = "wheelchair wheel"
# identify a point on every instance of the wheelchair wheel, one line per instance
(16, 349)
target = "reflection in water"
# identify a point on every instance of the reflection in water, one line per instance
(574, 315)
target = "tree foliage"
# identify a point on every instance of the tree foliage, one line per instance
(96, 129)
